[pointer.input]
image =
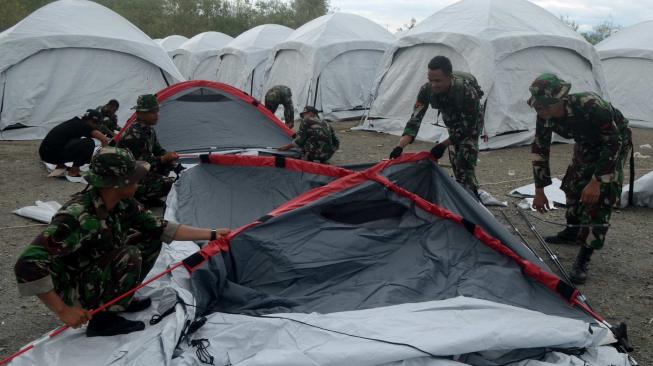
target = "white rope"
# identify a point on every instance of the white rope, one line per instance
(21, 226)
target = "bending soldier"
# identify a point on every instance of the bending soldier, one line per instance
(109, 120)
(281, 95)
(315, 137)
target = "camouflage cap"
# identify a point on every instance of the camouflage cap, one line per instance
(146, 103)
(309, 108)
(92, 115)
(547, 89)
(114, 167)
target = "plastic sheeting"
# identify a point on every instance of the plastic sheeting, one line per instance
(642, 192)
(506, 44)
(300, 61)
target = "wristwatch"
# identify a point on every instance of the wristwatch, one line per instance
(214, 235)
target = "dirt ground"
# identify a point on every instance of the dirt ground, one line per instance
(621, 275)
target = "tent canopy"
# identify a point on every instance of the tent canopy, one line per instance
(171, 43)
(628, 63)
(329, 62)
(241, 62)
(199, 116)
(69, 56)
(196, 58)
(506, 44)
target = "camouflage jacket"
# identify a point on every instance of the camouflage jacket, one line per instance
(109, 124)
(460, 108)
(281, 94)
(598, 129)
(81, 232)
(141, 140)
(317, 139)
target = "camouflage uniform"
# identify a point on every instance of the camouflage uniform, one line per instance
(86, 254)
(462, 114)
(602, 143)
(317, 140)
(108, 124)
(280, 95)
(141, 140)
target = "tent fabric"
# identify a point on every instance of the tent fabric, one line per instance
(642, 192)
(171, 43)
(69, 56)
(627, 58)
(340, 51)
(196, 58)
(241, 62)
(506, 44)
(201, 116)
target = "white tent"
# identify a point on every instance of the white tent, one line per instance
(330, 62)
(241, 62)
(506, 44)
(196, 58)
(171, 43)
(628, 64)
(69, 56)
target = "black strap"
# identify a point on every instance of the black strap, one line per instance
(470, 226)
(631, 184)
(204, 158)
(265, 218)
(280, 161)
(566, 290)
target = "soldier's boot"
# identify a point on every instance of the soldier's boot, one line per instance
(578, 273)
(107, 324)
(566, 236)
(137, 305)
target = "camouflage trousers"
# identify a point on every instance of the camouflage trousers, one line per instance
(579, 173)
(320, 151)
(463, 159)
(115, 273)
(153, 187)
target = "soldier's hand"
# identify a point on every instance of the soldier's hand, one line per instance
(74, 317)
(438, 150)
(396, 152)
(170, 156)
(540, 202)
(591, 192)
(222, 231)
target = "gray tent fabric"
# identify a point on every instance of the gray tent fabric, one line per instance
(201, 116)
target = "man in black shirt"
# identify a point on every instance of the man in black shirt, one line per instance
(72, 141)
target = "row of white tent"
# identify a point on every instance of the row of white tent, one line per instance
(74, 54)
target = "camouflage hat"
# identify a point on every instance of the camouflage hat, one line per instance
(309, 108)
(114, 167)
(547, 89)
(92, 115)
(146, 103)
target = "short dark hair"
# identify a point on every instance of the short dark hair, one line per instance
(114, 103)
(441, 63)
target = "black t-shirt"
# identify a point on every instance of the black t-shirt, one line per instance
(59, 136)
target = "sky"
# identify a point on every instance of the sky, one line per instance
(393, 14)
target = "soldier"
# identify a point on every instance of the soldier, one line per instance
(72, 141)
(109, 123)
(315, 137)
(281, 95)
(591, 184)
(85, 257)
(140, 138)
(457, 96)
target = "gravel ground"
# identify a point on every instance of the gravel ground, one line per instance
(621, 275)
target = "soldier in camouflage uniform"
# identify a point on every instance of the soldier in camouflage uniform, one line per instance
(140, 138)
(109, 124)
(315, 137)
(456, 96)
(592, 182)
(281, 95)
(98, 246)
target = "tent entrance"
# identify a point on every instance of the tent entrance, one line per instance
(372, 214)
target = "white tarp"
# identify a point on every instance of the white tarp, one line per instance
(72, 55)
(241, 62)
(642, 192)
(506, 44)
(334, 56)
(553, 192)
(196, 58)
(628, 64)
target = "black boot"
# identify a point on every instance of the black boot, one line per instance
(107, 324)
(578, 273)
(566, 236)
(137, 305)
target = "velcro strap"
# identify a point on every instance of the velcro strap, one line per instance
(265, 218)
(566, 290)
(470, 226)
(280, 161)
(193, 261)
(204, 158)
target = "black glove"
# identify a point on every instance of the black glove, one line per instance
(396, 152)
(438, 150)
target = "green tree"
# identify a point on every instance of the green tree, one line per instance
(601, 31)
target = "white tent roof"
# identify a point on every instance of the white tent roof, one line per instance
(318, 43)
(42, 88)
(504, 43)
(628, 63)
(197, 49)
(171, 43)
(249, 51)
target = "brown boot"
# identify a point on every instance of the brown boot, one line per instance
(578, 273)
